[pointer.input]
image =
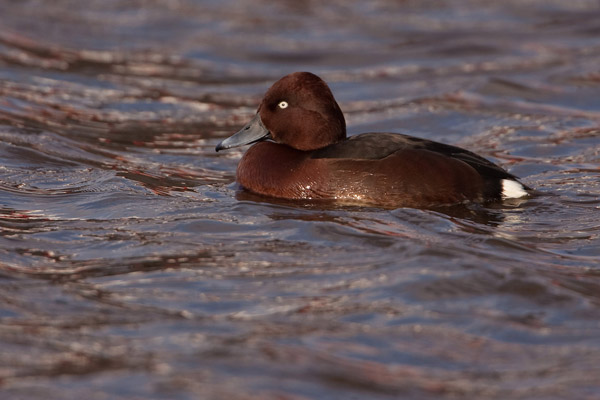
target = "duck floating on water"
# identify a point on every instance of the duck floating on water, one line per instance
(300, 151)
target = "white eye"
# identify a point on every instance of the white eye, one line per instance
(283, 104)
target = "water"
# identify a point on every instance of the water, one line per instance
(132, 266)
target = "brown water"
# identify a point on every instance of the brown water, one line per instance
(133, 267)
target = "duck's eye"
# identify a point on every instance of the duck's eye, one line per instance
(283, 104)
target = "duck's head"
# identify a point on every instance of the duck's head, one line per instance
(299, 111)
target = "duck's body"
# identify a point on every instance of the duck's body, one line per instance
(311, 157)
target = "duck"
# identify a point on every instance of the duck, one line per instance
(300, 151)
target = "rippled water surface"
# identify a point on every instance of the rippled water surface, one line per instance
(132, 266)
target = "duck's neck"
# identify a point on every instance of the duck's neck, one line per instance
(278, 170)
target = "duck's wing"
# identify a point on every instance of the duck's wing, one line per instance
(376, 146)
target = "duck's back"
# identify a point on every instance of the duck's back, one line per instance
(409, 170)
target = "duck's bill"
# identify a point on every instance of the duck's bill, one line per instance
(253, 132)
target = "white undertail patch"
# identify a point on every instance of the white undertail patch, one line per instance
(512, 189)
